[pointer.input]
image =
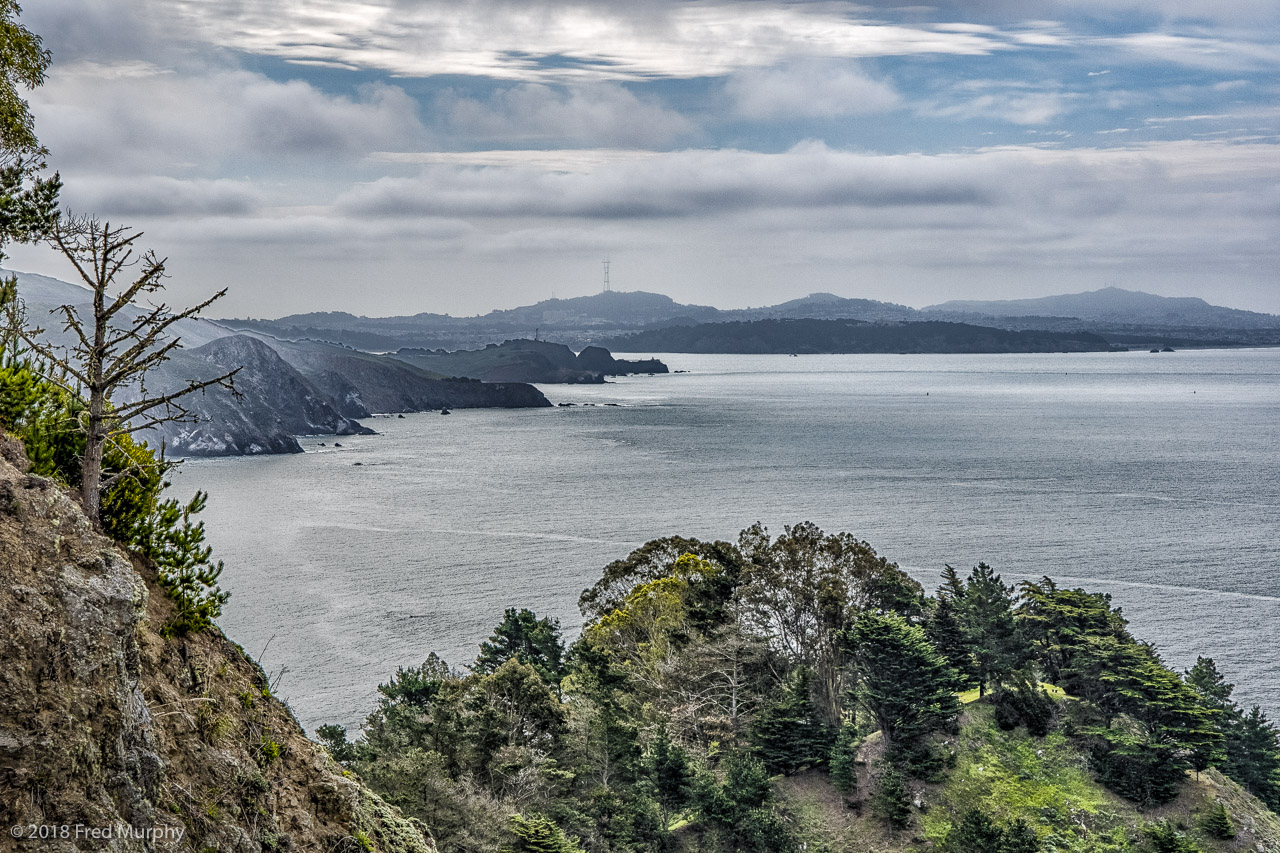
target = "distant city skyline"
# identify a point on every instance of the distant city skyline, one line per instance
(392, 157)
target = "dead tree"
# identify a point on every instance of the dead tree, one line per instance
(115, 347)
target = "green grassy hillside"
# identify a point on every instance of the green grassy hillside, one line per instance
(1045, 781)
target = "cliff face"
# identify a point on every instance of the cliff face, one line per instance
(275, 404)
(115, 738)
(383, 384)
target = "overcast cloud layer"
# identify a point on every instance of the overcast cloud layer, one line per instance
(396, 156)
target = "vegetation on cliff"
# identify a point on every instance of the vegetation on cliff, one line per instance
(803, 693)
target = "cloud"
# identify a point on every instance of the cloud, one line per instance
(808, 90)
(678, 185)
(1160, 215)
(1016, 184)
(549, 41)
(158, 196)
(1014, 102)
(600, 114)
(146, 121)
(1240, 52)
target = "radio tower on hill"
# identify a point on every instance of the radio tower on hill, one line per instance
(606, 277)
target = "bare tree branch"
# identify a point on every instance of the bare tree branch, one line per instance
(109, 356)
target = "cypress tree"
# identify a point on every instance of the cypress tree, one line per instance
(904, 682)
(522, 635)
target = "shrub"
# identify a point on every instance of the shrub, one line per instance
(1164, 837)
(1216, 823)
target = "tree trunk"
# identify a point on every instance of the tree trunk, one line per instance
(91, 468)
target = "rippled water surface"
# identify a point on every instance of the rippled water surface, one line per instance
(1152, 477)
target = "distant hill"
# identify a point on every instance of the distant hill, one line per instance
(578, 322)
(759, 337)
(1121, 316)
(1113, 305)
(635, 308)
(827, 306)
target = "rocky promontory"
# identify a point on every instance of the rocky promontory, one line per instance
(275, 403)
(524, 360)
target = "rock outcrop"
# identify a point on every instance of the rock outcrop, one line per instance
(116, 738)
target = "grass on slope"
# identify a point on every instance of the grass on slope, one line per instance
(1044, 781)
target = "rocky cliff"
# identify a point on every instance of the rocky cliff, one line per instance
(275, 403)
(116, 738)
(383, 384)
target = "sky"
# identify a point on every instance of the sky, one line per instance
(456, 156)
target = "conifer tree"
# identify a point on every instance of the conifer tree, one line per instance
(670, 773)
(904, 682)
(1216, 823)
(843, 763)
(1253, 757)
(986, 612)
(890, 800)
(537, 834)
(524, 636)
(947, 634)
(787, 732)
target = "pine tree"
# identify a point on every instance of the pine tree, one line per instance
(986, 612)
(975, 831)
(1250, 748)
(948, 636)
(890, 800)
(1019, 837)
(1164, 837)
(115, 349)
(670, 773)
(1216, 823)
(1253, 757)
(843, 764)
(787, 732)
(538, 834)
(524, 636)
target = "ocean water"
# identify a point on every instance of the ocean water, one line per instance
(1155, 478)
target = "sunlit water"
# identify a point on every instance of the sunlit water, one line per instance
(1155, 478)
